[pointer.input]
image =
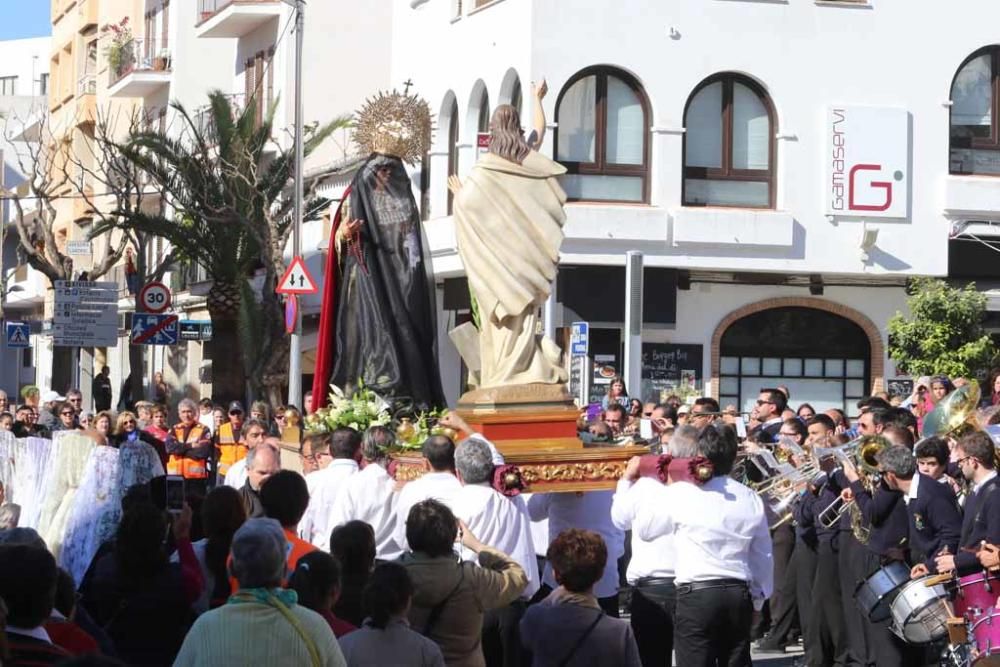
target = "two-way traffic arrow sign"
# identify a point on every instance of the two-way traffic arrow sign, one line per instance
(297, 279)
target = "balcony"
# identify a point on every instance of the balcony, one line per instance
(234, 18)
(88, 18)
(86, 99)
(205, 123)
(138, 67)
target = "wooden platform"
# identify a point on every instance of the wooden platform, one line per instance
(534, 427)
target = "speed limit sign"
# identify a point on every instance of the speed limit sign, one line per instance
(154, 298)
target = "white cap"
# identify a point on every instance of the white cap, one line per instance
(50, 396)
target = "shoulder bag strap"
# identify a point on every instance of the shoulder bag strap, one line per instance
(583, 638)
(438, 609)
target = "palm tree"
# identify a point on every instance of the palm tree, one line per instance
(226, 183)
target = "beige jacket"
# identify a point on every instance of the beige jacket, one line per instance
(495, 582)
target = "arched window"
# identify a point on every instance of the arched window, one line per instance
(729, 144)
(452, 148)
(484, 113)
(602, 137)
(975, 110)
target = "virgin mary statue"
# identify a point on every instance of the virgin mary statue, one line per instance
(377, 319)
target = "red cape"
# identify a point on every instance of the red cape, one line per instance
(326, 338)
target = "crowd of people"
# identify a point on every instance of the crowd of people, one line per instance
(340, 563)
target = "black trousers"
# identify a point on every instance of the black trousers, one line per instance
(851, 561)
(502, 636)
(783, 607)
(804, 567)
(712, 626)
(652, 623)
(826, 644)
(885, 649)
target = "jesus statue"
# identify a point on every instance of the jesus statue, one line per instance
(509, 226)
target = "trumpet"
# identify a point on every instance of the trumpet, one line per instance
(864, 450)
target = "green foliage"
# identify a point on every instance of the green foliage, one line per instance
(944, 333)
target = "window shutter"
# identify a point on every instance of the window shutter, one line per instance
(165, 36)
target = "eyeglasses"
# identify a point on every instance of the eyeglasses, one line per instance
(963, 460)
(67, 413)
(235, 412)
(128, 421)
(762, 402)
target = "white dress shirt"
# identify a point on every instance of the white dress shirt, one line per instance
(370, 496)
(315, 525)
(912, 493)
(236, 476)
(590, 511)
(719, 529)
(539, 530)
(438, 485)
(649, 559)
(499, 522)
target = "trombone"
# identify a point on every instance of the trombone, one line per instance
(865, 451)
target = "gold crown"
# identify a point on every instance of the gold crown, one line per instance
(396, 124)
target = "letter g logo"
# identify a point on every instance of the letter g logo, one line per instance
(881, 185)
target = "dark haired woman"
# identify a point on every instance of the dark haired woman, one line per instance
(386, 637)
(222, 514)
(316, 580)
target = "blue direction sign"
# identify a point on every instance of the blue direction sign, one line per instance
(580, 338)
(151, 329)
(18, 334)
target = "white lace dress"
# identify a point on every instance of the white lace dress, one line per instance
(71, 451)
(31, 466)
(95, 515)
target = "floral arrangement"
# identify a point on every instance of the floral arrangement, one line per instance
(360, 411)
(121, 39)
(365, 408)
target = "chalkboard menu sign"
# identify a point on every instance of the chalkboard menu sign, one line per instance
(669, 368)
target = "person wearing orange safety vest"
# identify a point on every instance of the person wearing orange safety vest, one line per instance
(189, 445)
(230, 444)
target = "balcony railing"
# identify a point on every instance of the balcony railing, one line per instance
(209, 8)
(139, 54)
(205, 122)
(87, 85)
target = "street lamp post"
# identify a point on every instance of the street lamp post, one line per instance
(295, 347)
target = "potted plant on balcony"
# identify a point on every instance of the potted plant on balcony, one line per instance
(162, 60)
(120, 51)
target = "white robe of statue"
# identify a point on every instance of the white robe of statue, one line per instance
(7, 445)
(70, 452)
(31, 463)
(95, 514)
(509, 226)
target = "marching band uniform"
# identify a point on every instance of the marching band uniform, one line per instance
(826, 612)
(981, 521)
(885, 513)
(934, 519)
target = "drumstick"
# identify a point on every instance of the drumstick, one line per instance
(936, 579)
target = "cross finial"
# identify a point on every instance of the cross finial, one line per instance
(406, 86)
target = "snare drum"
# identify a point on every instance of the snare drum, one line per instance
(986, 639)
(920, 613)
(976, 594)
(875, 594)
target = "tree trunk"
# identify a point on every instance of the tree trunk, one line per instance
(225, 351)
(63, 362)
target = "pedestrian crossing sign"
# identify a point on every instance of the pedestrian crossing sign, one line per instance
(18, 335)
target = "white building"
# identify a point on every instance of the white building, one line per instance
(24, 67)
(703, 135)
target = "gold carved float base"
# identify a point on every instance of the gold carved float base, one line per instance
(534, 427)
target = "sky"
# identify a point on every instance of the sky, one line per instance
(25, 18)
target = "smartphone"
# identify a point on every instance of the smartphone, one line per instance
(175, 493)
(741, 428)
(646, 428)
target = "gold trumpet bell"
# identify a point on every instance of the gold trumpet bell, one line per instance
(955, 415)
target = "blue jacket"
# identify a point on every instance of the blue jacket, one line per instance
(981, 521)
(935, 521)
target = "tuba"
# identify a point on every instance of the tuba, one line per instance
(955, 415)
